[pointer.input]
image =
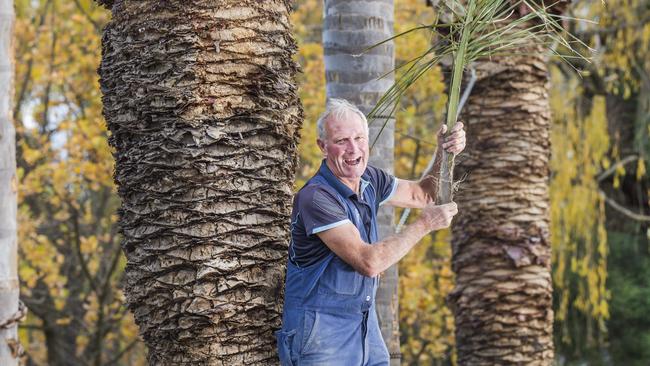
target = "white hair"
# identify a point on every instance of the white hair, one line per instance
(338, 108)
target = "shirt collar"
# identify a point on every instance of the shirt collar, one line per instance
(333, 181)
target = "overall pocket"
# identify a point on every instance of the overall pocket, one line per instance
(340, 278)
(309, 330)
(331, 339)
(284, 339)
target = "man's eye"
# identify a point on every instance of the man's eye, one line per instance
(360, 138)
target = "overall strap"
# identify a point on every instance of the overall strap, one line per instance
(350, 209)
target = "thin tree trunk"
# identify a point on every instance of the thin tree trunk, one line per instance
(349, 28)
(9, 287)
(501, 250)
(203, 112)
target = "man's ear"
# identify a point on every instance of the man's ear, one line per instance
(321, 145)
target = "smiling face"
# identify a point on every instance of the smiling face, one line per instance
(345, 148)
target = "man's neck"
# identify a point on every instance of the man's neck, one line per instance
(353, 184)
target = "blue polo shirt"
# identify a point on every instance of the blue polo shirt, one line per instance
(317, 207)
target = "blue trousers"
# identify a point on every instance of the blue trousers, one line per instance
(317, 338)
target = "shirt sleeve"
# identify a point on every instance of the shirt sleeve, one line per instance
(320, 210)
(385, 184)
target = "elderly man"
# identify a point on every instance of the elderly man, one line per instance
(335, 255)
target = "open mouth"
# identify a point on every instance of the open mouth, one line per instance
(353, 161)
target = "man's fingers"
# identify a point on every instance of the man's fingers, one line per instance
(441, 215)
(458, 128)
(451, 206)
(452, 209)
(454, 140)
(456, 134)
(455, 137)
(455, 149)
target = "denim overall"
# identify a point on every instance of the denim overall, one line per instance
(329, 314)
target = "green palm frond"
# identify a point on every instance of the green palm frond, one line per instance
(479, 29)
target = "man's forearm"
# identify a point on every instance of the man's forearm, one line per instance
(389, 251)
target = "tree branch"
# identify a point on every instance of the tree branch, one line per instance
(22, 92)
(92, 21)
(77, 242)
(46, 95)
(615, 205)
(605, 174)
(621, 209)
(122, 352)
(30, 326)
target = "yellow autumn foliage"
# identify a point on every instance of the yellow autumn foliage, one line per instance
(69, 252)
(580, 145)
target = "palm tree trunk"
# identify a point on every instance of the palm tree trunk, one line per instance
(8, 186)
(501, 250)
(203, 111)
(349, 28)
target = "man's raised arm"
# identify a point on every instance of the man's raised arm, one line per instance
(370, 260)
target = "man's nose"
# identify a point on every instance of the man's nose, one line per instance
(352, 146)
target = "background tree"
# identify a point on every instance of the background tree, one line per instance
(501, 248)
(349, 28)
(204, 117)
(601, 252)
(9, 289)
(70, 260)
(580, 249)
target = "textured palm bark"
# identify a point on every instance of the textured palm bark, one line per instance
(204, 117)
(9, 346)
(349, 28)
(501, 251)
